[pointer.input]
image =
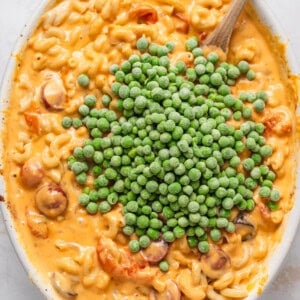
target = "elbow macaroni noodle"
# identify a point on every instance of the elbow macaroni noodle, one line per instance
(76, 37)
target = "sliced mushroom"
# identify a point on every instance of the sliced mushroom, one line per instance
(37, 224)
(63, 285)
(171, 292)
(244, 227)
(215, 263)
(156, 251)
(32, 173)
(53, 93)
(51, 200)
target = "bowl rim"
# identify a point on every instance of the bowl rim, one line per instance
(5, 89)
(292, 219)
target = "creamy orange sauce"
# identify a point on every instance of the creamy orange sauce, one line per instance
(76, 37)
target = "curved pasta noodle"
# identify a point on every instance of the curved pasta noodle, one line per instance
(49, 160)
(210, 3)
(242, 274)
(56, 32)
(81, 36)
(224, 281)
(213, 295)
(112, 222)
(22, 157)
(58, 143)
(56, 16)
(109, 9)
(55, 175)
(68, 265)
(120, 34)
(233, 293)
(185, 283)
(43, 45)
(240, 260)
(247, 50)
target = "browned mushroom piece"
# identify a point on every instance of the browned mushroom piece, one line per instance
(53, 94)
(244, 227)
(32, 173)
(63, 285)
(215, 263)
(171, 292)
(51, 200)
(156, 251)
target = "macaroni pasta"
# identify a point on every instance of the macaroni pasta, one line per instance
(88, 36)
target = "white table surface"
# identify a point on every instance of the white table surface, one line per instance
(14, 283)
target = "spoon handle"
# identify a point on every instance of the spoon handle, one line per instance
(221, 36)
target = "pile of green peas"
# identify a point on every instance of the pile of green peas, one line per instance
(173, 161)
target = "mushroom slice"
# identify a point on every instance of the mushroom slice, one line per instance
(63, 285)
(53, 94)
(215, 263)
(32, 173)
(156, 251)
(51, 200)
(244, 227)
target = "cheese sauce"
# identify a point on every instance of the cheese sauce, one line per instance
(76, 37)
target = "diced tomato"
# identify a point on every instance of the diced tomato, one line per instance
(144, 14)
(32, 120)
(202, 35)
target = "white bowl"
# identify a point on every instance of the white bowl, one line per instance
(291, 220)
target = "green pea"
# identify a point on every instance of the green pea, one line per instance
(243, 66)
(92, 208)
(191, 43)
(66, 122)
(164, 266)
(142, 44)
(273, 206)
(275, 195)
(134, 246)
(174, 188)
(250, 75)
(84, 199)
(213, 57)
(83, 80)
(266, 151)
(153, 234)
(203, 247)
(230, 227)
(179, 232)
(168, 236)
(215, 235)
(104, 207)
(248, 164)
(265, 192)
(259, 105)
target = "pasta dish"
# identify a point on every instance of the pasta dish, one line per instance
(140, 164)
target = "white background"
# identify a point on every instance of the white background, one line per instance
(14, 284)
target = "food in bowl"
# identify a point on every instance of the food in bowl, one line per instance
(140, 165)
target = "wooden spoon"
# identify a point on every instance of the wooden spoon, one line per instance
(221, 36)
